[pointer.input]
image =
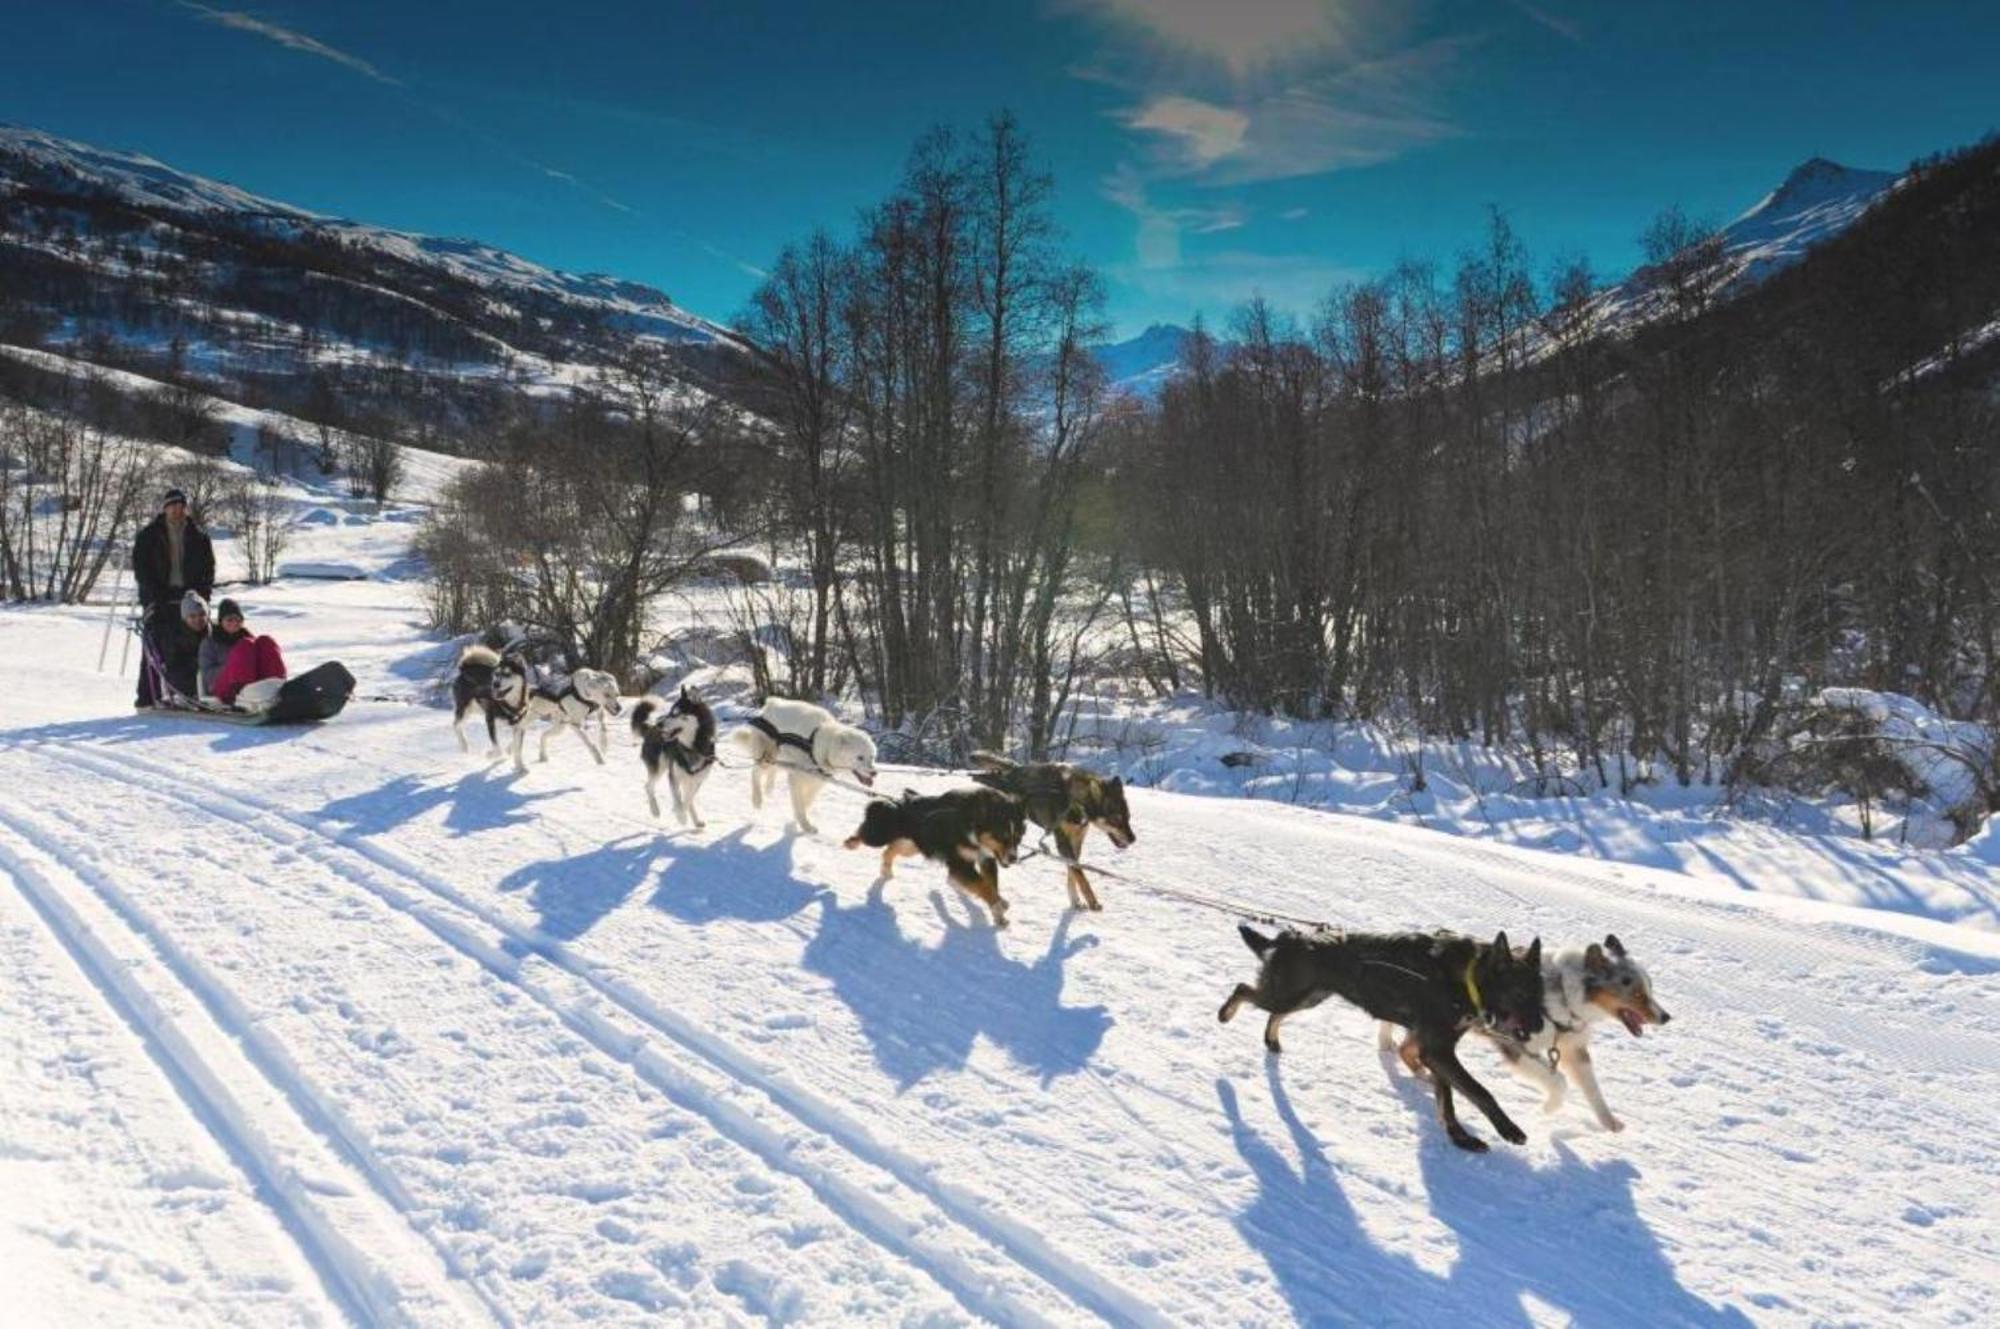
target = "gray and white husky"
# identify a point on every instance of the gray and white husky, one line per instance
(677, 741)
(1579, 989)
(570, 704)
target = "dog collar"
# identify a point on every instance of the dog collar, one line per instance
(1472, 985)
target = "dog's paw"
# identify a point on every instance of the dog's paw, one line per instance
(1512, 1134)
(1610, 1123)
(1467, 1141)
(1553, 1103)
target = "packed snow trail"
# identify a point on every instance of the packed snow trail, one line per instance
(532, 1057)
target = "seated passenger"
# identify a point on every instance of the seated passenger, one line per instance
(236, 664)
(180, 644)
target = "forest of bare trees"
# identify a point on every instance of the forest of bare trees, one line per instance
(1446, 499)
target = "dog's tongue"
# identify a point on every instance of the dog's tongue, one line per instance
(1633, 1024)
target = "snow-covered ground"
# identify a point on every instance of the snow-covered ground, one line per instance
(341, 1025)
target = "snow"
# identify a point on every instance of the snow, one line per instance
(339, 1025)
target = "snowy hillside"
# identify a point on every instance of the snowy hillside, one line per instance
(1817, 201)
(340, 1025)
(32, 158)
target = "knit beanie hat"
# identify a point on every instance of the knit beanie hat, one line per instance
(192, 604)
(175, 495)
(227, 608)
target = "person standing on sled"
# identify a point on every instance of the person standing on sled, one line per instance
(237, 666)
(171, 556)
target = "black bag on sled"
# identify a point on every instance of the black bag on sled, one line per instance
(318, 694)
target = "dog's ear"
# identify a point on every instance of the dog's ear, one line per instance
(1533, 959)
(1500, 946)
(1615, 946)
(1116, 784)
(1593, 959)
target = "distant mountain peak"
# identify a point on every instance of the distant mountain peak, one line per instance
(1817, 183)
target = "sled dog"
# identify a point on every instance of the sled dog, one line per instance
(497, 684)
(972, 832)
(1066, 801)
(1579, 989)
(810, 745)
(1436, 985)
(676, 740)
(567, 705)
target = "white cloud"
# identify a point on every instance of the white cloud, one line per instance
(1200, 131)
(297, 41)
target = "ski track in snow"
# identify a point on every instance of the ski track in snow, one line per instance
(504, 956)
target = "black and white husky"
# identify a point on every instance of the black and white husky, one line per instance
(810, 745)
(570, 704)
(498, 684)
(1579, 989)
(678, 741)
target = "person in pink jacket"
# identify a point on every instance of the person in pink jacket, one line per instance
(250, 659)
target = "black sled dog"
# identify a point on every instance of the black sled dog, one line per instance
(677, 741)
(973, 832)
(1436, 985)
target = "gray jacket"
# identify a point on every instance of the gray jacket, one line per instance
(215, 649)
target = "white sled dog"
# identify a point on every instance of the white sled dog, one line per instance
(810, 745)
(677, 741)
(586, 693)
(1579, 989)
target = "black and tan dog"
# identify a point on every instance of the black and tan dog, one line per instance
(1066, 801)
(1436, 985)
(973, 832)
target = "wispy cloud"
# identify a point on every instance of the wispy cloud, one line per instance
(1239, 36)
(291, 37)
(1566, 28)
(1158, 245)
(1201, 132)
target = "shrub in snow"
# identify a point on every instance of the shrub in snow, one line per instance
(1884, 749)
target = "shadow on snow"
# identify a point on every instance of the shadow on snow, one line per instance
(1569, 1235)
(922, 1007)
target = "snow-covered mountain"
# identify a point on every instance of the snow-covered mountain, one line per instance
(1141, 365)
(1817, 201)
(31, 159)
(124, 261)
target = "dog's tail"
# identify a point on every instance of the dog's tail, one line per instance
(992, 761)
(1259, 943)
(642, 715)
(484, 656)
(751, 741)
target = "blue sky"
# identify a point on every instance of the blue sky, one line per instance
(1203, 149)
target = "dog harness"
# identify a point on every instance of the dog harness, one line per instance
(783, 739)
(1472, 985)
(685, 757)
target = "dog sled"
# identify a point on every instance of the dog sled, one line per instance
(318, 694)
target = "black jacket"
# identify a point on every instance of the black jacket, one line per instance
(153, 563)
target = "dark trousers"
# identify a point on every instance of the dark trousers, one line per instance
(160, 618)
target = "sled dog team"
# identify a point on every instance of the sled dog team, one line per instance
(1426, 990)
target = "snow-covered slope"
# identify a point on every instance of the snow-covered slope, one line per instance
(326, 1025)
(1815, 202)
(33, 157)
